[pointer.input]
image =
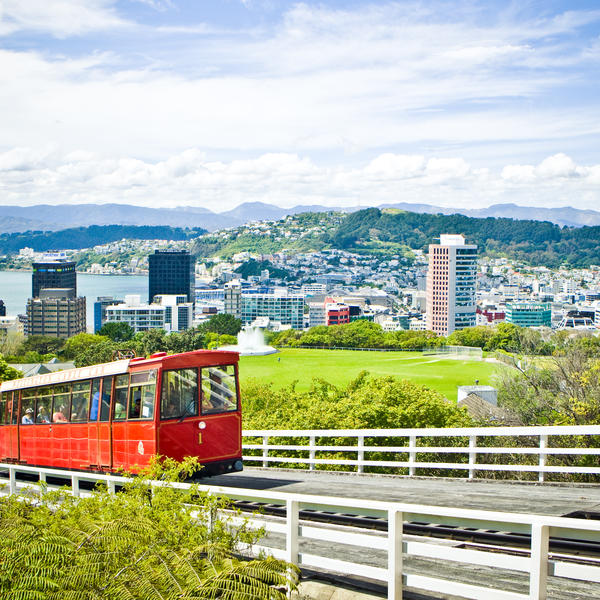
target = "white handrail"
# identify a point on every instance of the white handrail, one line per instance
(536, 564)
(363, 444)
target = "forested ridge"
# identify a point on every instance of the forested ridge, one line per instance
(534, 242)
(86, 237)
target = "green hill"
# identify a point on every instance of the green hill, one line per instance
(534, 242)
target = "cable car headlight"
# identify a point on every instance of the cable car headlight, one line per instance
(202, 425)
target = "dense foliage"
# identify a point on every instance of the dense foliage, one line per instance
(365, 403)
(358, 334)
(86, 237)
(534, 242)
(562, 390)
(7, 372)
(144, 543)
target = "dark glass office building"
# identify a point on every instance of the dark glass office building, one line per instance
(171, 272)
(53, 274)
(2, 309)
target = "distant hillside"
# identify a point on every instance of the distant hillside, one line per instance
(535, 242)
(86, 237)
(53, 218)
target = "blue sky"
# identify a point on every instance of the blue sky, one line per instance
(216, 102)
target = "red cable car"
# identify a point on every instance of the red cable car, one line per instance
(117, 415)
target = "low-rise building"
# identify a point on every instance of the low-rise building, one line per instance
(529, 314)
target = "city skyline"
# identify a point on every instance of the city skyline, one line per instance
(168, 103)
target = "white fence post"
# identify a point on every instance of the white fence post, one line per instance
(12, 478)
(412, 455)
(265, 451)
(75, 485)
(361, 453)
(112, 487)
(395, 526)
(291, 531)
(538, 578)
(472, 455)
(312, 453)
(543, 455)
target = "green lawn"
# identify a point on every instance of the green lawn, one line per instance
(340, 366)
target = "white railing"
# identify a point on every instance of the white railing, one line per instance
(326, 547)
(466, 443)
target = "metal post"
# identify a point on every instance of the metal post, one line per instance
(472, 455)
(311, 453)
(112, 487)
(538, 577)
(291, 531)
(42, 476)
(543, 456)
(265, 450)
(412, 455)
(361, 453)
(395, 526)
(75, 485)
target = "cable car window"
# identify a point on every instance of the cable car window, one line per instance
(61, 407)
(121, 390)
(142, 391)
(15, 408)
(80, 401)
(95, 405)
(44, 406)
(105, 399)
(3, 396)
(219, 392)
(179, 396)
(28, 406)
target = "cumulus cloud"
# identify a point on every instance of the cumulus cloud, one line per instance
(193, 178)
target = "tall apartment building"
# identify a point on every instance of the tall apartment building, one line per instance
(57, 312)
(53, 271)
(171, 272)
(233, 299)
(451, 281)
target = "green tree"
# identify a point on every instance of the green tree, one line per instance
(44, 344)
(222, 324)
(7, 372)
(117, 332)
(100, 352)
(563, 390)
(79, 343)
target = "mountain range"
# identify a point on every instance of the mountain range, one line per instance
(47, 217)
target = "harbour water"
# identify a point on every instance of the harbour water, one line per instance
(15, 288)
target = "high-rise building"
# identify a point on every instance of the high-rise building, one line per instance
(56, 312)
(171, 272)
(451, 282)
(53, 271)
(233, 299)
(2, 309)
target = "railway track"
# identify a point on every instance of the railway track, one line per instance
(482, 538)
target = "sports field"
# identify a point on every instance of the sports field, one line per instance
(341, 366)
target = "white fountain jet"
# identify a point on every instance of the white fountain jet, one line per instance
(251, 342)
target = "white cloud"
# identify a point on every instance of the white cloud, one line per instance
(193, 178)
(60, 18)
